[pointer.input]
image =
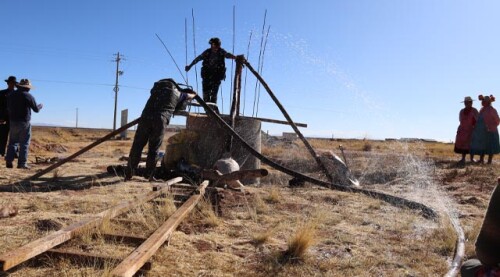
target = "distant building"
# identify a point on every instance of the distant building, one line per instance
(290, 136)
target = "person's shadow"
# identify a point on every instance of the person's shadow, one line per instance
(78, 182)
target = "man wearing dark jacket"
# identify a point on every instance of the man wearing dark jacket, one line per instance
(19, 106)
(166, 97)
(4, 115)
(213, 70)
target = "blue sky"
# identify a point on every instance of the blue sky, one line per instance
(373, 69)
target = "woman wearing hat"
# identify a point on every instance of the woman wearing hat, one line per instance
(468, 117)
(485, 139)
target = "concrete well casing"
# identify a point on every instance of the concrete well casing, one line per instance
(204, 142)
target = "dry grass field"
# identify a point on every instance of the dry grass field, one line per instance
(269, 230)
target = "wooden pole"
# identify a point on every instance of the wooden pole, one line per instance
(130, 265)
(235, 105)
(34, 248)
(83, 150)
(290, 121)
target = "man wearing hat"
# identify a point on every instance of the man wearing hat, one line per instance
(4, 116)
(19, 105)
(213, 70)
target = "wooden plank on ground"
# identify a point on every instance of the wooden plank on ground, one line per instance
(84, 258)
(130, 265)
(34, 248)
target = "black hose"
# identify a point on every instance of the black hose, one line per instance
(427, 212)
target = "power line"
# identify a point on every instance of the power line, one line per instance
(88, 84)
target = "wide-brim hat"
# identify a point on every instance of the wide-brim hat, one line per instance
(467, 99)
(25, 83)
(11, 79)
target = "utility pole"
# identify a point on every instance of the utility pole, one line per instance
(118, 73)
(76, 117)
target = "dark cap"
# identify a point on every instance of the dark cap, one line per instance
(214, 40)
(11, 79)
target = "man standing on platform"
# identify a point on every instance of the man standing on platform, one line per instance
(213, 70)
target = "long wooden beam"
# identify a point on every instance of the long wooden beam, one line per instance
(84, 258)
(83, 150)
(290, 121)
(130, 265)
(269, 120)
(17, 256)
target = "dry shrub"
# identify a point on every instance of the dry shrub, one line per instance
(274, 196)
(444, 239)
(206, 215)
(56, 175)
(259, 239)
(105, 226)
(471, 234)
(450, 176)
(259, 205)
(299, 243)
(167, 208)
(367, 146)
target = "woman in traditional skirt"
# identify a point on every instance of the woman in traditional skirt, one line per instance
(468, 117)
(485, 136)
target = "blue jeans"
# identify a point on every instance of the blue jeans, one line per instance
(20, 134)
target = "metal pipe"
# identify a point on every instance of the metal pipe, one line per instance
(261, 69)
(186, 44)
(258, 63)
(194, 50)
(246, 73)
(172, 57)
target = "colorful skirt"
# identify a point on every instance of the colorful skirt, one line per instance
(484, 142)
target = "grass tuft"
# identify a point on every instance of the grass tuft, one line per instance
(274, 196)
(299, 243)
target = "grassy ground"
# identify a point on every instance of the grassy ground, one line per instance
(268, 230)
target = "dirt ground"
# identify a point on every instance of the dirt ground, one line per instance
(250, 232)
